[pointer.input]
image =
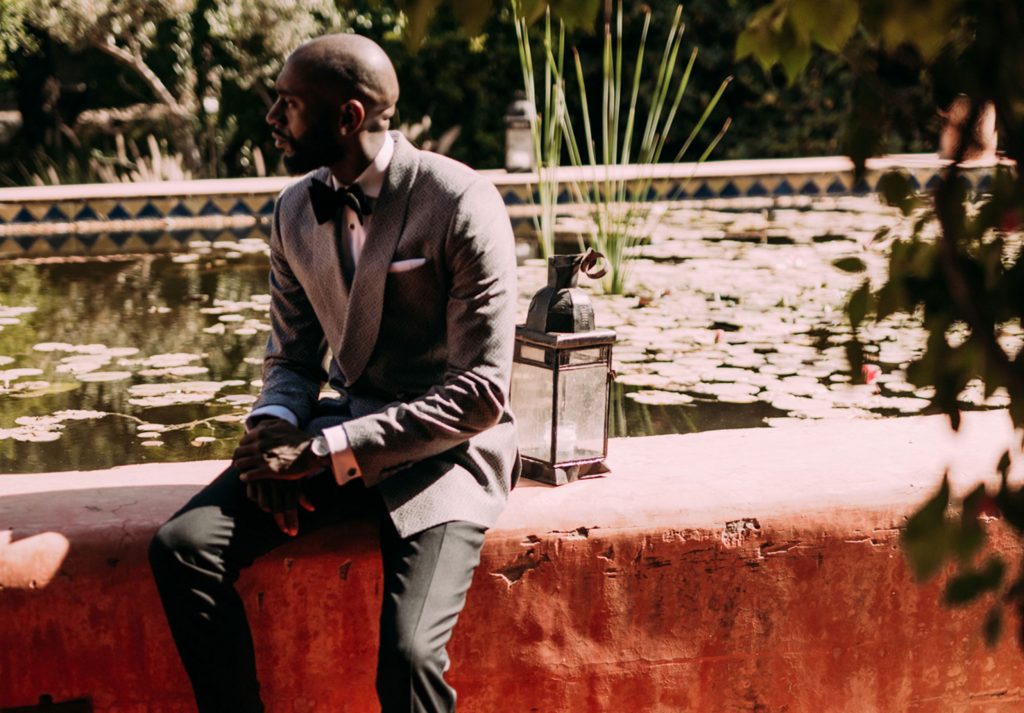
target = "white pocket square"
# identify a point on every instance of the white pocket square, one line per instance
(406, 265)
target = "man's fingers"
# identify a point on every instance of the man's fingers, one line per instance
(263, 497)
(305, 502)
(285, 514)
(291, 511)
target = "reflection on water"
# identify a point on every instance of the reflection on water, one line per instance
(157, 358)
(121, 320)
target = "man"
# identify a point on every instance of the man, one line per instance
(400, 265)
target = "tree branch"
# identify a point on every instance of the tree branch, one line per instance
(139, 66)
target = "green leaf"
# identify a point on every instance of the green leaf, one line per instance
(794, 57)
(967, 586)
(926, 536)
(850, 264)
(829, 24)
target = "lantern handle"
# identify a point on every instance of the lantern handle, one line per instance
(588, 264)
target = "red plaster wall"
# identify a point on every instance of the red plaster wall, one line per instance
(772, 616)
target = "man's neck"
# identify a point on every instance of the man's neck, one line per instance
(366, 150)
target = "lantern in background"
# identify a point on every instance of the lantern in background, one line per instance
(519, 118)
(562, 376)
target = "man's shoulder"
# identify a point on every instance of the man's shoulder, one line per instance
(448, 175)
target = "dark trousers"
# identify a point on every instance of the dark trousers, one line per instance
(197, 556)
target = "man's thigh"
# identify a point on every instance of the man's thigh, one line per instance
(426, 578)
(223, 522)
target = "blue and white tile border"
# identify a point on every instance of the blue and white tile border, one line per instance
(98, 219)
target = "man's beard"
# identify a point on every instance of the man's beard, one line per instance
(318, 147)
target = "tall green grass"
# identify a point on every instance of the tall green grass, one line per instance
(546, 128)
(621, 217)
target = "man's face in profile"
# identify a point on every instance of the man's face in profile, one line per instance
(305, 124)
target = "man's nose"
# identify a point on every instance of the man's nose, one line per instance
(273, 113)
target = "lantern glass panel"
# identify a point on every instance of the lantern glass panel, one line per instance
(531, 403)
(582, 413)
(593, 355)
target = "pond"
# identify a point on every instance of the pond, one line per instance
(735, 320)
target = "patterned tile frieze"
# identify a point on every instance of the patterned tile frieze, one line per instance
(100, 219)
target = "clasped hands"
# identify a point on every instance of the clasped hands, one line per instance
(272, 459)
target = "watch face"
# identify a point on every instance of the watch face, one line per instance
(319, 447)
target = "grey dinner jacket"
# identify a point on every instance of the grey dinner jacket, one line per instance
(422, 357)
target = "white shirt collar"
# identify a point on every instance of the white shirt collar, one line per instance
(371, 180)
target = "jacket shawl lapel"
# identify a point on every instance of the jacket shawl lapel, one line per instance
(366, 300)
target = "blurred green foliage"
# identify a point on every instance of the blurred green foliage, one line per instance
(460, 69)
(962, 267)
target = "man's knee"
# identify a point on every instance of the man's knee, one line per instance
(415, 652)
(176, 541)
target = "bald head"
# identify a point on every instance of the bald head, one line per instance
(351, 66)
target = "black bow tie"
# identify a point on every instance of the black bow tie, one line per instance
(327, 201)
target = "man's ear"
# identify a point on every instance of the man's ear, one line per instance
(351, 117)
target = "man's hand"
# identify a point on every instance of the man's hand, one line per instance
(271, 459)
(281, 499)
(276, 450)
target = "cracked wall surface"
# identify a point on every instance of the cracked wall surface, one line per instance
(739, 582)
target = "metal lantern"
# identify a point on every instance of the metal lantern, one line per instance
(561, 377)
(519, 118)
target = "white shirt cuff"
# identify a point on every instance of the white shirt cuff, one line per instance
(275, 410)
(342, 458)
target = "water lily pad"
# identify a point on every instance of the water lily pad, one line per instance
(94, 349)
(245, 331)
(237, 399)
(82, 364)
(228, 418)
(92, 376)
(231, 318)
(218, 328)
(9, 375)
(37, 421)
(31, 436)
(5, 360)
(35, 389)
(152, 444)
(78, 414)
(725, 390)
(168, 360)
(202, 440)
(652, 380)
(190, 370)
(659, 398)
(186, 258)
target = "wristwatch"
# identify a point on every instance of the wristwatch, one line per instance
(320, 448)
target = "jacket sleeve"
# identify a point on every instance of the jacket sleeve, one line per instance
(480, 334)
(293, 365)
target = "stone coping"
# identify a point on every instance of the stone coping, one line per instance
(708, 169)
(119, 218)
(817, 471)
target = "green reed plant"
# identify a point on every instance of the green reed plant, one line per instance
(621, 215)
(546, 127)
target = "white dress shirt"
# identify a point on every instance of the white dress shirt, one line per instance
(343, 460)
